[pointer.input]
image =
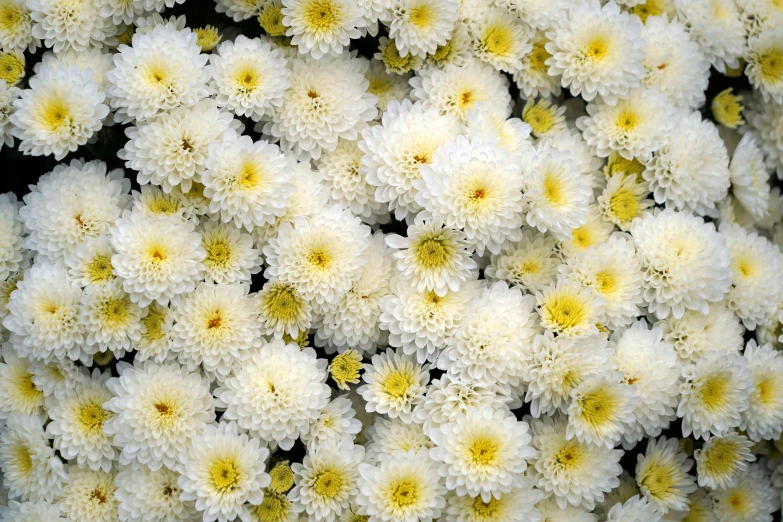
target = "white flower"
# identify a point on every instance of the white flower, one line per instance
(532, 78)
(594, 231)
(685, 262)
(152, 496)
(597, 50)
(89, 496)
(249, 76)
(44, 315)
(396, 150)
(694, 334)
(157, 410)
(283, 310)
(749, 176)
(31, 470)
(41, 511)
(222, 471)
(635, 509)
(402, 488)
(570, 309)
(342, 174)
(163, 69)
(327, 100)
(60, 111)
(472, 185)
(756, 284)
(716, 26)
(420, 322)
(722, 459)
(77, 423)
(572, 472)
(388, 87)
(157, 258)
(322, 27)
(418, 27)
(516, 506)
(277, 393)
(456, 89)
(691, 170)
(16, 34)
(394, 384)
(764, 119)
(112, 321)
(216, 327)
(386, 437)
(321, 255)
(89, 263)
(239, 10)
(482, 452)
(11, 255)
(530, 263)
(764, 417)
(510, 134)
(71, 204)
(153, 202)
(649, 364)
(674, 63)
(501, 40)
(70, 24)
(624, 199)
(171, 149)
(494, 337)
(327, 479)
(432, 257)
(156, 335)
(56, 378)
(715, 392)
(18, 391)
(662, 475)
(601, 410)
(231, 257)
(753, 498)
(548, 508)
(7, 97)
(335, 422)
(758, 15)
(556, 365)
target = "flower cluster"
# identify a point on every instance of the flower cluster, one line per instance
(393, 261)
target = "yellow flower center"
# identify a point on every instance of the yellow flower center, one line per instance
(345, 367)
(421, 16)
(442, 53)
(271, 19)
(649, 8)
(566, 311)
(208, 37)
(619, 165)
(627, 120)
(282, 302)
(115, 312)
(538, 57)
(300, 340)
(485, 510)
(659, 479)
(225, 475)
(727, 109)
(10, 17)
(397, 384)
(605, 282)
(771, 65)
(26, 388)
(596, 50)
(92, 416)
(744, 267)
(379, 86)
(328, 484)
(583, 237)
(249, 176)
(100, 270)
(598, 407)
(769, 390)
(539, 117)
(713, 392)
(126, 37)
(721, 458)
(431, 252)
(497, 40)
(569, 457)
(54, 114)
(623, 205)
(552, 190)
(247, 80)
(166, 413)
(322, 16)
(155, 75)
(403, 493)
(529, 266)
(22, 459)
(153, 323)
(483, 452)
(393, 61)
(163, 204)
(319, 258)
(738, 503)
(282, 478)
(274, 508)
(11, 68)
(218, 254)
(156, 255)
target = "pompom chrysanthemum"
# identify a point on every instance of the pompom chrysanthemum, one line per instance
(147, 495)
(394, 384)
(322, 27)
(570, 309)
(418, 27)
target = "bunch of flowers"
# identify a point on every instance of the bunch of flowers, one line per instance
(392, 261)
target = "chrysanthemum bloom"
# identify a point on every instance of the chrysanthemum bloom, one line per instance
(420, 322)
(529, 264)
(321, 255)
(456, 89)
(18, 392)
(457, 50)
(345, 369)
(662, 474)
(153, 202)
(495, 335)
(635, 509)
(277, 393)
(40, 511)
(686, 264)
(152, 496)
(112, 321)
(727, 108)
(482, 452)
(569, 471)
(593, 232)
(516, 506)
(695, 334)
(402, 488)
(473, 185)
(601, 410)
(532, 78)
(722, 459)
(752, 498)
(327, 100)
(71, 24)
(396, 150)
(715, 393)
(352, 321)
(393, 62)
(597, 50)
(395, 384)
(249, 77)
(556, 365)
(764, 120)
(171, 149)
(387, 87)
(157, 258)
(418, 27)
(716, 26)
(282, 477)
(749, 176)
(756, 285)
(335, 422)
(432, 257)
(548, 508)
(510, 134)
(624, 199)
(327, 478)
(283, 310)
(44, 315)
(7, 97)
(77, 423)
(231, 257)
(322, 27)
(649, 364)
(31, 469)
(691, 170)
(764, 417)
(57, 378)
(342, 174)
(224, 472)
(71, 204)
(544, 117)
(570, 309)
(60, 111)
(16, 32)
(215, 327)
(387, 437)
(89, 495)
(163, 69)
(156, 335)
(674, 63)
(89, 263)
(500, 40)
(157, 410)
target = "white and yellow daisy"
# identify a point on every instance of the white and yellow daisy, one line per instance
(532, 77)
(544, 117)
(321, 27)
(593, 232)
(716, 26)
(70, 24)
(16, 30)
(662, 475)
(147, 495)
(568, 308)
(112, 321)
(516, 506)
(601, 410)
(283, 310)
(752, 498)
(722, 459)
(89, 496)
(18, 391)
(231, 257)
(500, 40)
(90, 262)
(624, 199)
(529, 264)
(394, 384)
(418, 27)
